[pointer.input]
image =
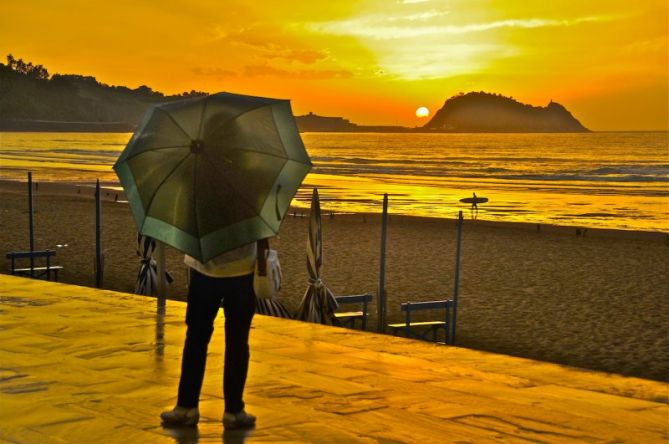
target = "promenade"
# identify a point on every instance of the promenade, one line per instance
(83, 365)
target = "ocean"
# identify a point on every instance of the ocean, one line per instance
(606, 180)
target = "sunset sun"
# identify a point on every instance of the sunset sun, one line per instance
(422, 112)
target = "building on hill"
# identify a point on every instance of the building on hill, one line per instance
(314, 123)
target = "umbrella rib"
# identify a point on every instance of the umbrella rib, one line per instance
(154, 149)
(262, 153)
(178, 126)
(204, 109)
(148, 207)
(236, 117)
(197, 224)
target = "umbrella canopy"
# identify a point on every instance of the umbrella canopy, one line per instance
(318, 304)
(147, 278)
(209, 174)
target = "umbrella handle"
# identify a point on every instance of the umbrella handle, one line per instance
(276, 202)
(263, 247)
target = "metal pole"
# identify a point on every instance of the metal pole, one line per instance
(30, 223)
(456, 280)
(381, 303)
(98, 241)
(160, 328)
(160, 260)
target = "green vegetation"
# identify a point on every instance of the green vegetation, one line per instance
(28, 94)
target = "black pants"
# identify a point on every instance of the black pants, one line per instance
(204, 299)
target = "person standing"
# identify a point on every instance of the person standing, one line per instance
(228, 280)
(474, 210)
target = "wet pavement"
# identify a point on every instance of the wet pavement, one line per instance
(85, 365)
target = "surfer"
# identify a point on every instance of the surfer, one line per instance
(474, 201)
(475, 207)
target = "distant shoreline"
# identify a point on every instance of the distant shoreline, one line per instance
(54, 126)
(49, 126)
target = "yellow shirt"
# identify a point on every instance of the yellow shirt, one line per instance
(238, 262)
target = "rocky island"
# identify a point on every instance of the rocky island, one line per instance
(485, 112)
(474, 112)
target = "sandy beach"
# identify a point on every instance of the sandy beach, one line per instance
(595, 300)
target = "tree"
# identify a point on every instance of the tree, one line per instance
(20, 66)
(38, 72)
(147, 92)
(193, 93)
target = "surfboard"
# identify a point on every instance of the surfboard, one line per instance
(477, 200)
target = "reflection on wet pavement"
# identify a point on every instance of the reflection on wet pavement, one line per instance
(86, 365)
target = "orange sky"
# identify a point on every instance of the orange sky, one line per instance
(371, 61)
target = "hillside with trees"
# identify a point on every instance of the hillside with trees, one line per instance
(485, 112)
(32, 99)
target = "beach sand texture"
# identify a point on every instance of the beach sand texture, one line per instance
(596, 301)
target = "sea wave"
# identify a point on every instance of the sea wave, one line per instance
(87, 152)
(581, 178)
(576, 179)
(631, 170)
(631, 175)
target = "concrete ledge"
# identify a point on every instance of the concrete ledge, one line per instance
(86, 365)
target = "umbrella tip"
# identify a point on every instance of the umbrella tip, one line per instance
(197, 146)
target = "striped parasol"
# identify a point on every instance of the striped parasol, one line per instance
(271, 307)
(318, 304)
(147, 279)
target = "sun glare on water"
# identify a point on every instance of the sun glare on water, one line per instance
(422, 112)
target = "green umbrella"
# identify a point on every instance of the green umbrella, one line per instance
(209, 174)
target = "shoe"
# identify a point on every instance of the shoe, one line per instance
(181, 416)
(241, 420)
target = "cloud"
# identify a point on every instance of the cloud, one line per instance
(418, 16)
(432, 44)
(418, 61)
(253, 36)
(265, 70)
(387, 28)
(213, 72)
(304, 56)
(270, 43)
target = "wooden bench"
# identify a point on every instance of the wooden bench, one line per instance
(36, 272)
(348, 318)
(425, 327)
